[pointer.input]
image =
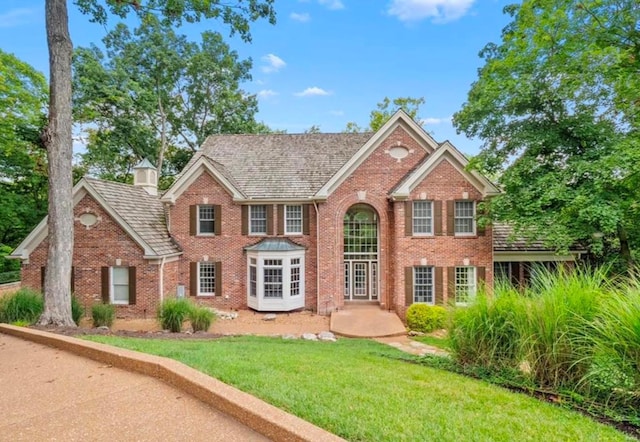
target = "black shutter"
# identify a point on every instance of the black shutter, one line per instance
(193, 220)
(193, 278)
(408, 286)
(269, 209)
(451, 205)
(280, 222)
(437, 218)
(244, 220)
(105, 283)
(305, 219)
(451, 285)
(218, 275)
(408, 218)
(132, 286)
(217, 217)
(438, 287)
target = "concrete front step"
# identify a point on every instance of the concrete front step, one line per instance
(366, 321)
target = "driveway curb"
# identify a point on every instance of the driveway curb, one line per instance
(263, 418)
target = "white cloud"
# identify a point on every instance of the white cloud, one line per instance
(301, 17)
(312, 91)
(332, 4)
(17, 17)
(273, 63)
(439, 11)
(435, 120)
(266, 93)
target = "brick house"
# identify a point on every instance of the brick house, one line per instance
(281, 222)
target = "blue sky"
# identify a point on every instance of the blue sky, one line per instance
(328, 62)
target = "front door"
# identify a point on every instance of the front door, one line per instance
(360, 281)
(361, 253)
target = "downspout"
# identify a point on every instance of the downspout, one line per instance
(161, 282)
(315, 206)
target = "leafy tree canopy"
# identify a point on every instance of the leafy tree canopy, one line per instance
(155, 94)
(385, 110)
(556, 108)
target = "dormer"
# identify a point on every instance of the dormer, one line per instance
(145, 175)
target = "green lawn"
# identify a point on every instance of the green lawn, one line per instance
(361, 390)
(441, 343)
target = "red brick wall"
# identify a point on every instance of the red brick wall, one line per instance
(228, 247)
(97, 246)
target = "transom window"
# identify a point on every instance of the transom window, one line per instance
(120, 285)
(272, 282)
(422, 218)
(293, 220)
(206, 219)
(465, 285)
(258, 220)
(423, 288)
(464, 218)
(206, 278)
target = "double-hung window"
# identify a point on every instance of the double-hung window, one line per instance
(272, 269)
(465, 284)
(258, 220)
(206, 278)
(206, 220)
(422, 217)
(293, 220)
(464, 218)
(423, 284)
(120, 285)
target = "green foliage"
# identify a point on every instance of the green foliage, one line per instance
(172, 313)
(25, 305)
(154, 94)
(426, 318)
(344, 396)
(487, 332)
(201, 318)
(385, 110)
(103, 315)
(12, 276)
(76, 310)
(563, 139)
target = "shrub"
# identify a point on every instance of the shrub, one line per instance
(103, 315)
(426, 318)
(25, 305)
(172, 313)
(11, 276)
(201, 318)
(486, 333)
(76, 310)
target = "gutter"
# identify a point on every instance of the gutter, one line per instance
(315, 206)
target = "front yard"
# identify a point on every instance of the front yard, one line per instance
(362, 390)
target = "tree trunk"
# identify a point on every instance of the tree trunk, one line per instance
(625, 250)
(57, 139)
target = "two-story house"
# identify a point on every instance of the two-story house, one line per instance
(281, 222)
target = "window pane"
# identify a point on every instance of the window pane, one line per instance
(422, 217)
(207, 278)
(423, 284)
(206, 219)
(293, 219)
(258, 219)
(295, 277)
(465, 284)
(120, 285)
(464, 216)
(253, 278)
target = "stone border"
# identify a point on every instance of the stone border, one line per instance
(263, 418)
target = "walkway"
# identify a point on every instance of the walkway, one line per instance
(49, 394)
(366, 321)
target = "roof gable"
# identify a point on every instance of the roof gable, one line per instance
(139, 214)
(445, 152)
(399, 119)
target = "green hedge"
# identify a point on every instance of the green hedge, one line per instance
(7, 277)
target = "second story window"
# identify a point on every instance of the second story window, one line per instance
(464, 218)
(293, 220)
(206, 220)
(422, 218)
(258, 220)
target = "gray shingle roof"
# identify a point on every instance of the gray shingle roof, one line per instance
(505, 240)
(143, 213)
(280, 166)
(274, 245)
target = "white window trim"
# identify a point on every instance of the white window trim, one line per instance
(266, 217)
(200, 292)
(413, 219)
(286, 231)
(433, 285)
(473, 219)
(473, 286)
(112, 286)
(213, 210)
(288, 301)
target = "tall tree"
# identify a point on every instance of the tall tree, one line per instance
(152, 90)
(556, 107)
(385, 110)
(238, 14)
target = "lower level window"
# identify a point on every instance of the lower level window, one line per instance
(253, 278)
(206, 278)
(120, 285)
(465, 284)
(272, 278)
(423, 285)
(295, 276)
